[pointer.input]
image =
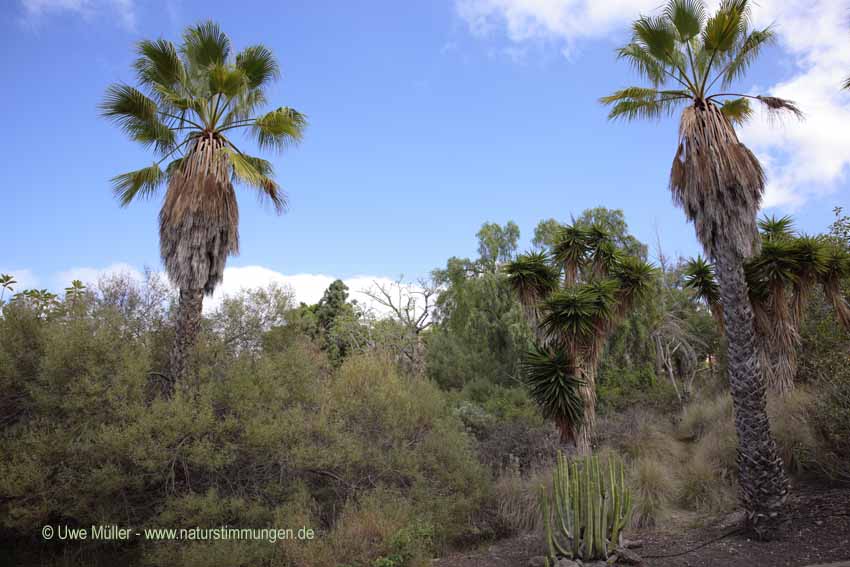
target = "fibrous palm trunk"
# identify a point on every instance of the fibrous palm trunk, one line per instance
(719, 183)
(761, 476)
(188, 324)
(198, 230)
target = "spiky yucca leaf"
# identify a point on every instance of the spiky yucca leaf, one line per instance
(554, 384)
(773, 228)
(571, 249)
(531, 277)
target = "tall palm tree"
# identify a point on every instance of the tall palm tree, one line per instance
(683, 54)
(189, 101)
(574, 299)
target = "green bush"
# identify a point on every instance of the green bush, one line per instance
(256, 440)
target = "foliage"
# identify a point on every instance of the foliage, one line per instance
(573, 299)
(262, 439)
(479, 332)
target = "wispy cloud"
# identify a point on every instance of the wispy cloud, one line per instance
(36, 10)
(804, 160)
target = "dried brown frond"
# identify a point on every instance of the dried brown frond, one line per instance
(777, 105)
(199, 220)
(717, 181)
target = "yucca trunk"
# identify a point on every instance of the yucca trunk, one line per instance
(585, 431)
(763, 484)
(719, 183)
(198, 230)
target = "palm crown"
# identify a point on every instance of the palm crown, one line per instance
(685, 56)
(201, 91)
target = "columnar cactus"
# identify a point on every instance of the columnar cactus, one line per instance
(590, 505)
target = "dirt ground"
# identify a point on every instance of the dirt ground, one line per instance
(818, 532)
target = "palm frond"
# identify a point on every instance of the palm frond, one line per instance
(257, 173)
(687, 17)
(279, 128)
(726, 26)
(138, 116)
(744, 56)
(737, 110)
(244, 107)
(226, 80)
(259, 65)
(159, 65)
(643, 62)
(641, 102)
(205, 44)
(140, 183)
(657, 36)
(776, 105)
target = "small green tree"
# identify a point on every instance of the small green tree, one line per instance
(574, 299)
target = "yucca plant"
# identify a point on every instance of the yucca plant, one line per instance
(586, 510)
(690, 61)
(574, 299)
(780, 280)
(189, 102)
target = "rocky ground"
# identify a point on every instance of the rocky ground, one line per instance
(818, 532)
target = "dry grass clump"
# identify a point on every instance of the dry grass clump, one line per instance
(703, 415)
(639, 433)
(703, 488)
(654, 489)
(516, 500)
(804, 449)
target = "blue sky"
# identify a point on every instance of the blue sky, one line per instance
(427, 118)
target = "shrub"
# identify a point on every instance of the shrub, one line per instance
(253, 440)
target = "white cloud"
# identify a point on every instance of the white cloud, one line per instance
(804, 160)
(125, 10)
(307, 288)
(807, 159)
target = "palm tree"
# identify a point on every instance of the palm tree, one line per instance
(719, 183)
(574, 299)
(189, 101)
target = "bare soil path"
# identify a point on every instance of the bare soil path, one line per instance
(818, 533)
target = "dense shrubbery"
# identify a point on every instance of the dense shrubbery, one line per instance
(92, 435)
(318, 416)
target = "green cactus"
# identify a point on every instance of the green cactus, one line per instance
(586, 510)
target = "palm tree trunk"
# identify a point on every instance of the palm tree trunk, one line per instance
(188, 324)
(761, 476)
